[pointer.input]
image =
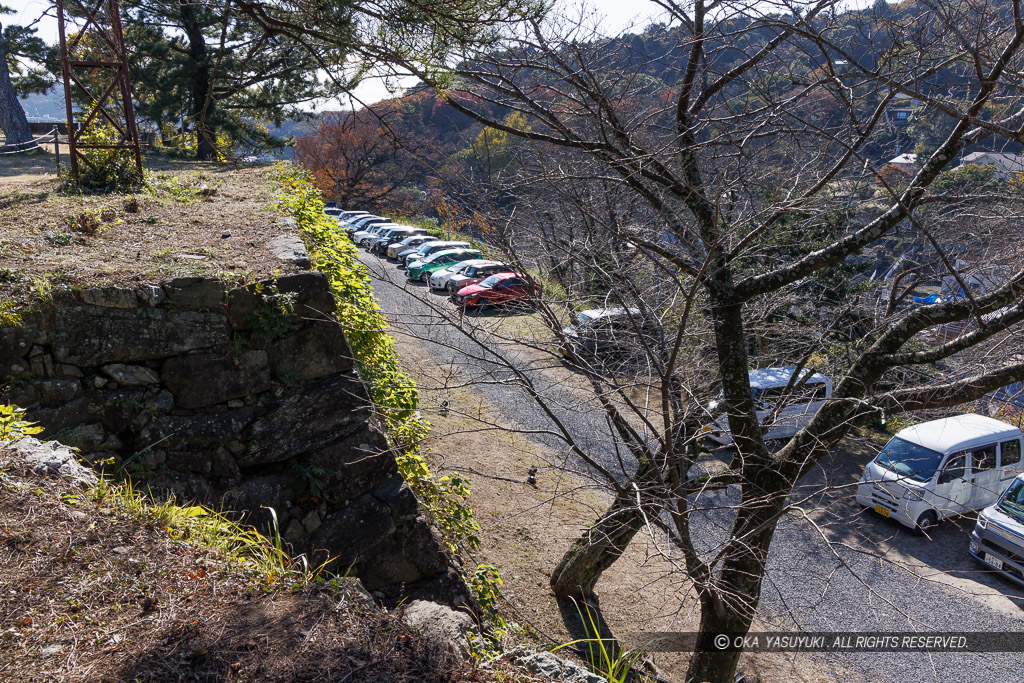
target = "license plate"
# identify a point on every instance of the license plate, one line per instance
(993, 561)
(882, 510)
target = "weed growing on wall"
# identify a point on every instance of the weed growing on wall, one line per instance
(393, 392)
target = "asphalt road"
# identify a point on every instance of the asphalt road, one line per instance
(834, 568)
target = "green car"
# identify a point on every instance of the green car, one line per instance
(421, 270)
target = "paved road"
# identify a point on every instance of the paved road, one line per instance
(837, 569)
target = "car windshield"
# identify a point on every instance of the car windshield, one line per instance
(583, 318)
(490, 281)
(1012, 502)
(909, 459)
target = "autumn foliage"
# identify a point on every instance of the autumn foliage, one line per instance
(384, 157)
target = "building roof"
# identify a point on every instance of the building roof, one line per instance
(1011, 163)
(957, 432)
(904, 159)
(779, 377)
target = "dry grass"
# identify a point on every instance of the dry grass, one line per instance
(93, 594)
(175, 229)
(525, 530)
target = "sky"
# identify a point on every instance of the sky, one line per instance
(616, 16)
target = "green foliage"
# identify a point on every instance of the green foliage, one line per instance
(273, 315)
(244, 547)
(394, 393)
(107, 170)
(603, 654)
(486, 583)
(181, 188)
(309, 481)
(971, 179)
(12, 426)
(26, 55)
(9, 312)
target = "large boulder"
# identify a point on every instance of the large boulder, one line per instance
(93, 335)
(131, 375)
(205, 379)
(47, 457)
(315, 350)
(195, 292)
(110, 297)
(311, 292)
(290, 249)
(441, 626)
(309, 418)
(557, 669)
(43, 392)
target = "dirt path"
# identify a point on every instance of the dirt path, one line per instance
(831, 568)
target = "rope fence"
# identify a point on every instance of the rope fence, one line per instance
(49, 137)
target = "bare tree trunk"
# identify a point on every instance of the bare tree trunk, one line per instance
(12, 115)
(729, 606)
(599, 546)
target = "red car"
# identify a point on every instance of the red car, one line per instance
(501, 288)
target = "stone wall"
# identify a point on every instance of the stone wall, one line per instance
(242, 398)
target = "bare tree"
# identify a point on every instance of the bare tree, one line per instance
(742, 217)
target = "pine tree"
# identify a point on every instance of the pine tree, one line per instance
(20, 51)
(217, 71)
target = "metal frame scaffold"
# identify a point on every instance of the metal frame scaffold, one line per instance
(103, 25)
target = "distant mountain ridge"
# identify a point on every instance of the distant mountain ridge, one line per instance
(48, 106)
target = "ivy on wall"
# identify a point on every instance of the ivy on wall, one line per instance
(392, 390)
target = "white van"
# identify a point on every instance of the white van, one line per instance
(785, 412)
(941, 468)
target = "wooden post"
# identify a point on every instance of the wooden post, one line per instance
(56, 148)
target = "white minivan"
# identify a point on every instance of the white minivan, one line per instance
(941, 468)
(781, 409)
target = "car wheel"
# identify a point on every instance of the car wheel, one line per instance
(482, 305)
(926, 522)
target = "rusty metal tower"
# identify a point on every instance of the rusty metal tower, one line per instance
(95, 58)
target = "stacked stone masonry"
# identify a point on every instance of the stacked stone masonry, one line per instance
(240, 397)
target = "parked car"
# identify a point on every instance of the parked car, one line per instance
(426, 250)
(364, 222)
(609, 332)
(330, 210)
(998, 537)
(363, 237)
(410, 244)
(381, 244)
(439, 279)
(941, 468)
(421, 270)
(345, 216)
(782, 410)
(473, 274)
(496, 290)
(350, 222)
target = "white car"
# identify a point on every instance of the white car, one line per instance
(998, 538)
(364, 237)
(439, 280)
(782, 413)
(392, 235)
(413, 242)
(941, 468)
